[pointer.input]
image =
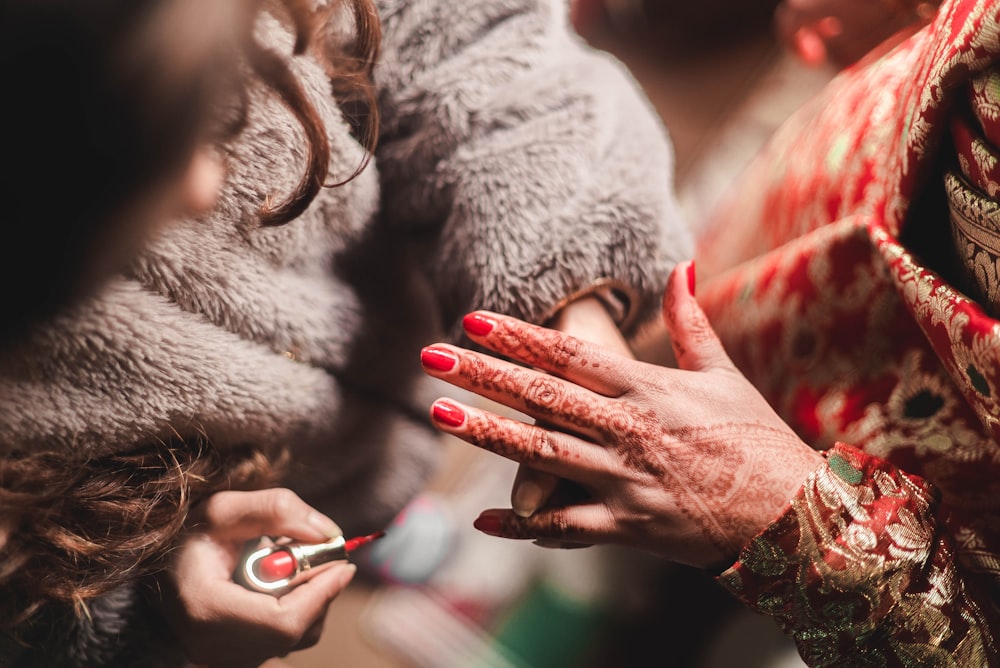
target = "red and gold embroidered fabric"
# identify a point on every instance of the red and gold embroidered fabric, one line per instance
(842, 285)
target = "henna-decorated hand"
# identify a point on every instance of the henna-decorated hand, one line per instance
(585, 319)
(689, 463)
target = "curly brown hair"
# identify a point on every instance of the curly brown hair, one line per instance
(77, 528)
(350, 67)
(74, 527)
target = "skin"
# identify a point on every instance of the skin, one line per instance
(586, 319)
(688, 463)
(841, 32)
(222, 624)
(216, 621)
(191, 192)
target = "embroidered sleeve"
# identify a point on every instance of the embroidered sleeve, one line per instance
(860, 573)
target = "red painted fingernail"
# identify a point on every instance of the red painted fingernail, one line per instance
(453, 416)
(438, 359)
(691, 279)
(478, 325)
(488, 524)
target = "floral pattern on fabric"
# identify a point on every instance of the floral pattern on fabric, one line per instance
(859, 511)
(975, 226)
(890, 553)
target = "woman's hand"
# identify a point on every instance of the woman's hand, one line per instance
(586, 319)
(689, 463)
(219, 622)
(841, 32)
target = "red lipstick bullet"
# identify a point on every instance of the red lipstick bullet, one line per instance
(271, 569)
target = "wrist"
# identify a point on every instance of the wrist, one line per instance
(617, 299)
(588, 319)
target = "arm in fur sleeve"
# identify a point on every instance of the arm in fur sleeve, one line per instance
(532, 165)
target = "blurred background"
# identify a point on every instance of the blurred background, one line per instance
(435, 593)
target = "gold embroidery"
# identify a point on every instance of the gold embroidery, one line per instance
(975, 224)
(982, 561)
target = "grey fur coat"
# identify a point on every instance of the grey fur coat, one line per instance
(515, 167)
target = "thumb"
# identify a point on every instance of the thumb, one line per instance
(695, 344)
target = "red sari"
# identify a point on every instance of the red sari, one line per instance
(854, 279)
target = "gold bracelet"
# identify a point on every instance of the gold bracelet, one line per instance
(619, 300)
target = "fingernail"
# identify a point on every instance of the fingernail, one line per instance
(488, 524)
(527, 498)
(437, 359)
(691, 278)
(451, 415)
(324, 525)
(347, 573)
(478, 325)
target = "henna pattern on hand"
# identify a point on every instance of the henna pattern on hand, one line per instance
(491, 433)
(547, 348)
(544, 396)
(703, 474)
(697, 328)
(552, 523)
(712, 471)
(709, 484)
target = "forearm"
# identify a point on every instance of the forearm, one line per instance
(590, 318)
(533, 164)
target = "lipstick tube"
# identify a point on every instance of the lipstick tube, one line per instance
(273, 568)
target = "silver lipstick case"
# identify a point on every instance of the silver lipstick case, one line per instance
(305, 556)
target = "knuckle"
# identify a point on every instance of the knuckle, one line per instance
(620, 420)
(559, 527)
(543, 394)
(540, 445)
(284, 501)
(288, 632)
(566, 352)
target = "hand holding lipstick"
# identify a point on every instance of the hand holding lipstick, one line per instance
(689, 463)
(277, 566)
(221, 623)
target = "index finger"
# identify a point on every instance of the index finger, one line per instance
(586, 364)
(267, 512)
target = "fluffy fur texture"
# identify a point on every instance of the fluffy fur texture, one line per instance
(515, 167)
